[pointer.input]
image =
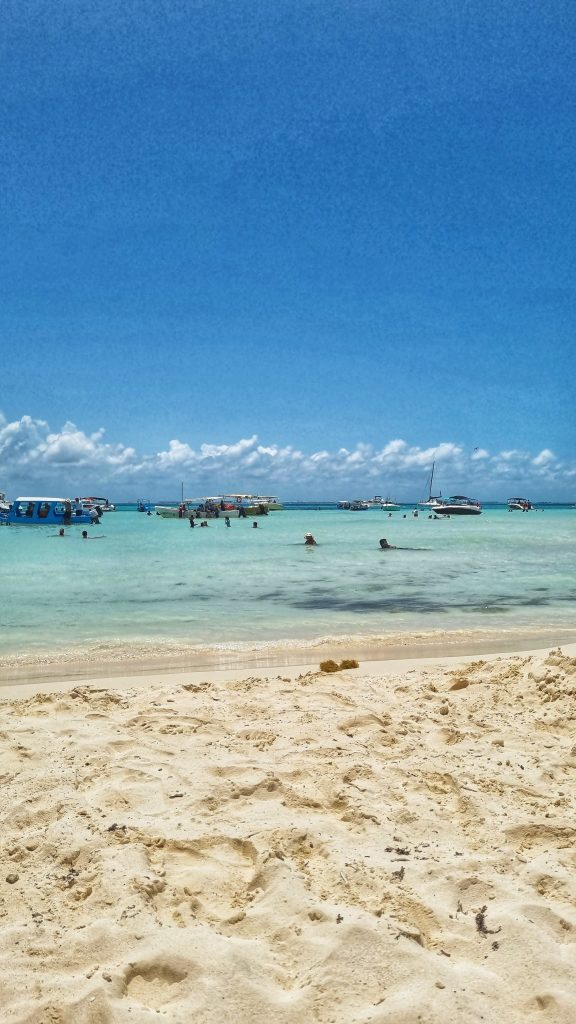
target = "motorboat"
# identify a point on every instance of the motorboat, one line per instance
(458, 505)
(343, 504)
(97, 503)
(144, 505)
(199, 508)
(432, 500)
(183, 510)
(359, 505)
(48, 512)
(4, 505)
(247, 504)
(519, 505)
(389, 506)
(272, 503)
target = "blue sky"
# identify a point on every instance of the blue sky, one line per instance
(310, 244)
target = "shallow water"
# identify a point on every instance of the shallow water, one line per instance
(151, 585)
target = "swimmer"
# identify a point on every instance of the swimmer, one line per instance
(254, 526)
(385, 545)
(309, 539)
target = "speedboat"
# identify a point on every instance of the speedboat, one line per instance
(519, 505)
(359, 505)
(143, 505)
(458, 505)
(4, 505)
(48, 512)
(389, 506)
(343, 504)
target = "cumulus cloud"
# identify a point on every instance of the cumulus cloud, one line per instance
(29, 444)
(544, 458)
(30, 451)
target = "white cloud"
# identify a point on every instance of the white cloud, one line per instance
(544, 458)
(30, 452)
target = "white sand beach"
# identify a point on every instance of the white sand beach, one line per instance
(393, 843)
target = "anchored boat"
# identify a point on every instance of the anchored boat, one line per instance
(519, 505)
(48, 512)
(458, 505)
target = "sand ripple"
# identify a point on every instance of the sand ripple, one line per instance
(345, 848)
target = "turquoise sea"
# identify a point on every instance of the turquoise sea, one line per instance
(153, 588)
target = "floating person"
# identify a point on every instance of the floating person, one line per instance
(85, 536)
(203, 523)
(59, 534)
(309, 539)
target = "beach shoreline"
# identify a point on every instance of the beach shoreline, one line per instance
(64, 667)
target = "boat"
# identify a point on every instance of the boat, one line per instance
(458, 505)
(200, 508)
(272, 503)
(97, 503)
(343, 504)
(389, 506)
(42, 511)
(519, 505)
(433, 500)
(143, 505)
(247, 504)
(359, 505)
(4, 505)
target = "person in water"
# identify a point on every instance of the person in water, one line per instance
(192, 520)
(227, 521)
(385, 545)
(254, 526)
(309, 539)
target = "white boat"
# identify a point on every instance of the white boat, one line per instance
(389, 506)
(4, 505)
(433, 500)
(272, 503)
(201, 508)
(359, 505)
(343, 504)
(97, 503)
(519, 505)
(458, 505)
